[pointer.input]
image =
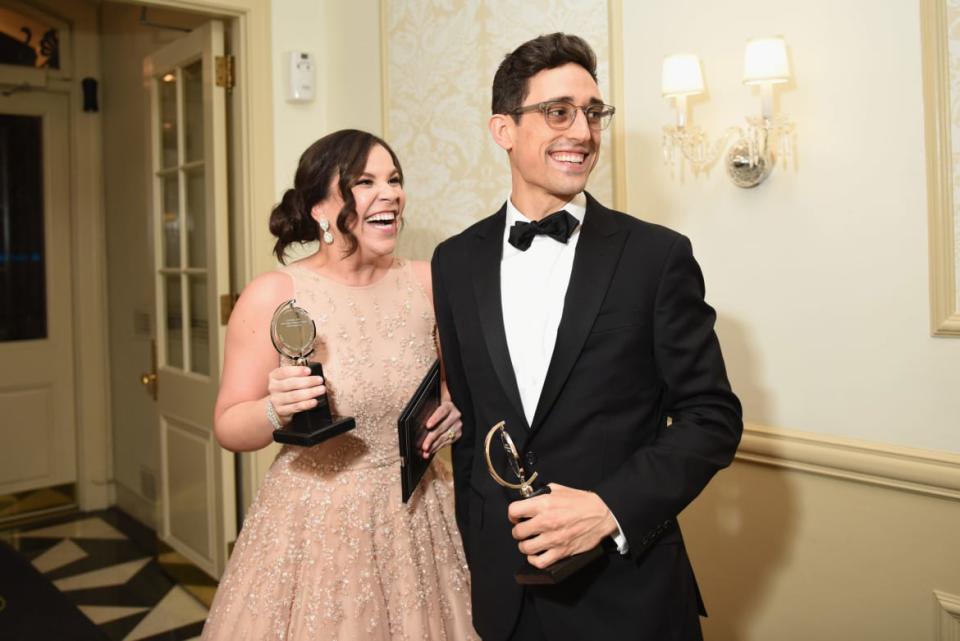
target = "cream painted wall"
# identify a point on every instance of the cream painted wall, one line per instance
(296, 26)
(124, 43)
(783, 555)
(344, 38)
(819, 275)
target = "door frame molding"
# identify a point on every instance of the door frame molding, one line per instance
(91, 331)
(91, 373)
(252, 131)
(249, 22)
(252, 156)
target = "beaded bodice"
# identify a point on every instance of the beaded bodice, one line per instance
(375, 342)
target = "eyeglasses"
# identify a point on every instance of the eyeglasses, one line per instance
(560, 114)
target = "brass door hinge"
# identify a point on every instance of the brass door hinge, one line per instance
(225, 72)
(227, 301)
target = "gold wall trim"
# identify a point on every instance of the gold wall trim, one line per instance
(384, 70)
(944, 312)
(934, 473)
(617, 80)
(948, 616)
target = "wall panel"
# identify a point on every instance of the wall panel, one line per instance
(440, 60)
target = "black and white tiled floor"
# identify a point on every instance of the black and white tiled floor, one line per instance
(117, 574)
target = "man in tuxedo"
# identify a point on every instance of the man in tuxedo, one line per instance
(586, 331)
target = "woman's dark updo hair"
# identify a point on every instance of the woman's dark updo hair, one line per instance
(343, 153)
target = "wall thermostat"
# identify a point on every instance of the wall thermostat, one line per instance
(300, 80)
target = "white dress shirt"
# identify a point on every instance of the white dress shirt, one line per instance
(533, 286)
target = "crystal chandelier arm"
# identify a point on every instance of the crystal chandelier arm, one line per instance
(701, 152)
(695, 145)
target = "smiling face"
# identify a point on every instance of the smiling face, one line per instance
(379, 200)
(550, 166)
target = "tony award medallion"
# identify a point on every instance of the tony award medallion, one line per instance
(528, 574)
(293, 333)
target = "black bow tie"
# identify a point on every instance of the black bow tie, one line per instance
(558, 225)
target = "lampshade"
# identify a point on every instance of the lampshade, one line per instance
(765, 60)
(681, 75)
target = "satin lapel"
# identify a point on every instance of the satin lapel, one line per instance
(486, 287)
(598, 252)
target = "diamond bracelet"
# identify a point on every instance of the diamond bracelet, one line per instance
(272, 416)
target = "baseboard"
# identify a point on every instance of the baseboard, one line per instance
(935, 473)
(948, 616)
(140, 508)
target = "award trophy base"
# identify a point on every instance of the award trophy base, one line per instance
(557, 572)
(315, 425)
(313, 433)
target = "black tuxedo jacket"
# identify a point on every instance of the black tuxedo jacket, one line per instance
(635, 347)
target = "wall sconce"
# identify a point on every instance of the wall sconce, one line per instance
(757, 146)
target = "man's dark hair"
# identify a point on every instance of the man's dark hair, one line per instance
(510, 84)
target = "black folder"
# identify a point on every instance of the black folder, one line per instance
(412, 430)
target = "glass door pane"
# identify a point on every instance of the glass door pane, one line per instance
(168, 119)
(174, 321)
(193, 110)
(199, 327)
(27, 40)
(195, 216)
(196, 219)
(23, 286)
(181, 179)
(170, 192)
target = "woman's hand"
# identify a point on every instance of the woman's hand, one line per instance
(445, 427)
(292, 389)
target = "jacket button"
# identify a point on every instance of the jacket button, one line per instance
(531, 459)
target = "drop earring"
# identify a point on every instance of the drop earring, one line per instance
(325, 226)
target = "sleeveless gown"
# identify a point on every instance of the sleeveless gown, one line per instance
(328, 551)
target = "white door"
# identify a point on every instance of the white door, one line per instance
(37, 429)
(189, 200)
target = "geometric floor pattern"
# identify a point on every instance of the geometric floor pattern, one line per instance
(117, 573)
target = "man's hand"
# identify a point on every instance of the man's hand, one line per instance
(565, 522)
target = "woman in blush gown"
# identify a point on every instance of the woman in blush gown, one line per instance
(328, 549)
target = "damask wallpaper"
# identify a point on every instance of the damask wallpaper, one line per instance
(953, 35)
(440, 58)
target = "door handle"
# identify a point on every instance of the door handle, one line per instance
(149, 379)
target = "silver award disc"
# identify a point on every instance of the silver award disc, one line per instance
(293, 332)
